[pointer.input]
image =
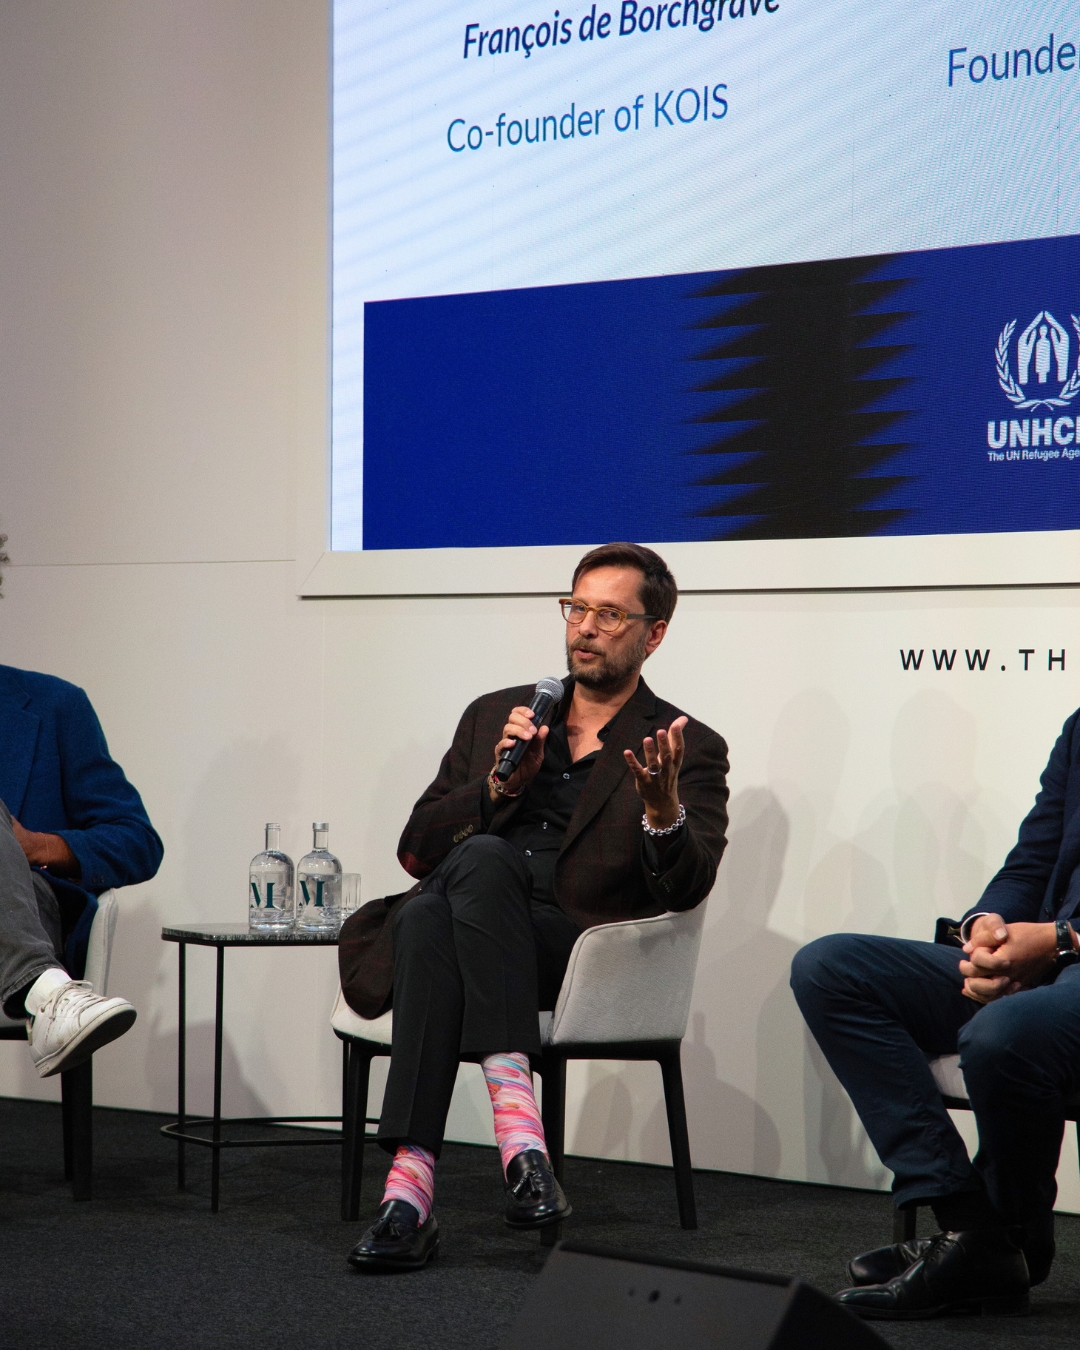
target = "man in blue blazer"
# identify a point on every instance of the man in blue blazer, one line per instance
(71, 826)
(880, 1008)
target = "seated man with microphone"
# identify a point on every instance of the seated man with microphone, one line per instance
(541, 822)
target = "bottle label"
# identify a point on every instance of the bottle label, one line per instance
(318, 901)
(269, 895)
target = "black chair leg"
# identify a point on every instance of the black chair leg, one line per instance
(353, 1130)
(905, 1224)
(671, 1068)
(77, 1095)
(65, 1115)
(553, 1071)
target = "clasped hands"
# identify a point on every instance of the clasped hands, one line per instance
(657, 780)
(1004, 958)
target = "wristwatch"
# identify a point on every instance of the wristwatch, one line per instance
(1065, 954)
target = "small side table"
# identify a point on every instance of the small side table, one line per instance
(222, 935)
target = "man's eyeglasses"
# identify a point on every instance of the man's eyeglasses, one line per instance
(608, 620)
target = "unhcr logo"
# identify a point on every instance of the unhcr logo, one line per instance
(1042, 355)
(1042, 351)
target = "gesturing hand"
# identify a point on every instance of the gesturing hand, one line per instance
(657, 780)
(521, 726)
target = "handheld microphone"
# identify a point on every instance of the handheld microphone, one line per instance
(548, 692)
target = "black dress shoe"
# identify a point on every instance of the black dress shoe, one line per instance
(533, 1197)
(884, 1263)
(980, 1270)
(397, 1240)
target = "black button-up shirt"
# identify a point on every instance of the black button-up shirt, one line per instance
(540, 824)
(543, 818)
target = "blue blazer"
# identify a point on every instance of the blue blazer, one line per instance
(1040, 880)
(56, 776)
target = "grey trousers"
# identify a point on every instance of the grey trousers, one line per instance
(31, 938)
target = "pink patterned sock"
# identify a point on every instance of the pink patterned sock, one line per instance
(412, 1178)
(517, 1119)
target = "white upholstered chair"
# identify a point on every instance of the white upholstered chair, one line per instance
(626, 995)
(77, 1085)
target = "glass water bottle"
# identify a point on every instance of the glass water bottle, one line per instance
(318, 876)
(270, 887)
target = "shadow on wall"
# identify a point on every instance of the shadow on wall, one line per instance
(844, 885)
(246, 785)
(921, 852)
(737, 1046)
(203, 879)
(939, 843)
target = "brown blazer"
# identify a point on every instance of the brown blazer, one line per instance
(601, 874)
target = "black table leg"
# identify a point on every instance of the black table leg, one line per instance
(215, 1167)
(181, 1072)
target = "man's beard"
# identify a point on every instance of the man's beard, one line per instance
(613, 670)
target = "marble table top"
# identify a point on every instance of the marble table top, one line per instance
(240, 935)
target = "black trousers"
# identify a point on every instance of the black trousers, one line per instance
(881, 1008)
(476, 957)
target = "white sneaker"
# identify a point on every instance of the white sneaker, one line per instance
(72, 1023)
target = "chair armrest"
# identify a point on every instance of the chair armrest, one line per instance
(629, 981)
(99, 948)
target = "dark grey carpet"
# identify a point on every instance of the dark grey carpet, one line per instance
(144, 1267)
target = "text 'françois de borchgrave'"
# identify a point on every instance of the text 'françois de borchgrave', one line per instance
(699, 104)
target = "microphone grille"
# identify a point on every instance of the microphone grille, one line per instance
(551, 686)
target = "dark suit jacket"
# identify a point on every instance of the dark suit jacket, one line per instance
(1034, 884)
(56, 776)
(601, 875)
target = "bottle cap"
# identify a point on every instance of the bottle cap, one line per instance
(320, 825)
(272, 825)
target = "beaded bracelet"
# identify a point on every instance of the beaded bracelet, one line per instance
(659, 834)
(500, 788)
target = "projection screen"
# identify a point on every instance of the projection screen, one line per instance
(791, 289)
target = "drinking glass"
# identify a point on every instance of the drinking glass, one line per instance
(350, 894)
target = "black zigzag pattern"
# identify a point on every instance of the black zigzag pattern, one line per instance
(800, 348)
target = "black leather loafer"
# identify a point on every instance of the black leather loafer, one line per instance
(534, 1198)
(397, 1240)
(885, 1263)
(981, 1270)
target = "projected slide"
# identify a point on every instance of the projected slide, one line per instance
(697, 271)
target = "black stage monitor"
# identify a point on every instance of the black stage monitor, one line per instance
(600, 1298)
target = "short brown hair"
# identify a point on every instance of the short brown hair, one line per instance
(658, 590)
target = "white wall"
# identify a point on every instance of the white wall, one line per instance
(162, 374)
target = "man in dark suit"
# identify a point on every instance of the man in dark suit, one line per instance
(582, 833)
(880, 1008)
(71, 827)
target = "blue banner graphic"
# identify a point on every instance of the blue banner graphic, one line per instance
(923, 393)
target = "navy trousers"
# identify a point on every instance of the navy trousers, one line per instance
(880, 1008)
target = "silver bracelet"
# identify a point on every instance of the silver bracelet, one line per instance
(659, 834)
(500, 788)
